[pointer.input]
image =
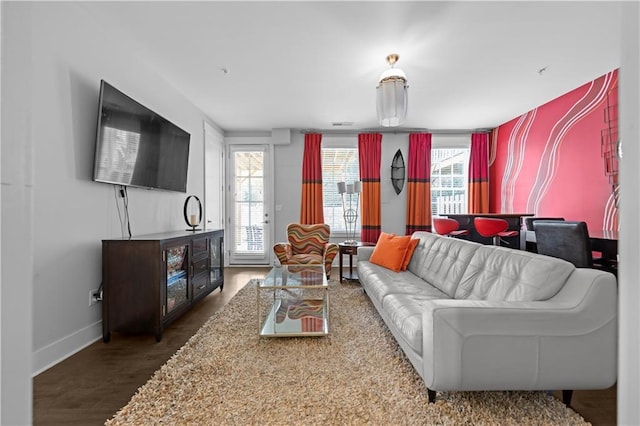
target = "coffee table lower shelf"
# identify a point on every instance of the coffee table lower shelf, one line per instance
(296, 317)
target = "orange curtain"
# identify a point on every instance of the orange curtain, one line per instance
(311, 210)
(479, 174)
(419, 183)
(369, 155)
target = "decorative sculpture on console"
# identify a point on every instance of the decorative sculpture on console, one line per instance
(193, 212)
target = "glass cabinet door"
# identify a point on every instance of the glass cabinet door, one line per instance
(217, 258)
(177, 259)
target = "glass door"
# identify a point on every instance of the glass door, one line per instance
(177, 267)
(216, 253)
(248, 238)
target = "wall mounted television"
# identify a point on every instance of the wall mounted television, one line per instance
(137, 147)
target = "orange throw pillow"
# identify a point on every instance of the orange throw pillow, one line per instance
(413, 243)
(389, 251)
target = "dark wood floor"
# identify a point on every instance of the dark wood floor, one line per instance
(90, 386)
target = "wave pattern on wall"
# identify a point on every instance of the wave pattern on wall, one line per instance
(610, 216)
(515, 159)
(550, 158)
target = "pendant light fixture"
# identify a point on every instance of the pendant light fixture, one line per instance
(391, 95)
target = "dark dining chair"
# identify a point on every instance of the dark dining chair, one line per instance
(569, 241)
(528, 221)
(528, 228)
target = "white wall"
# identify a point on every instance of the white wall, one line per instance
(628, 283)
(393, 208)
(69, 52)
(17, 218)
(287, 175)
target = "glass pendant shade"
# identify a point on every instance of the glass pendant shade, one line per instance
(392, 95)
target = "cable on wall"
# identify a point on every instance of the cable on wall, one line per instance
(126, 209)
(124, 222)
(115, 195)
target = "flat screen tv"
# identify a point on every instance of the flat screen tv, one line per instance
(137, 147)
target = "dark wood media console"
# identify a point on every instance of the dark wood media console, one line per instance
(150, 281)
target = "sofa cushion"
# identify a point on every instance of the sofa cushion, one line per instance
(408, 254)
(405, 312)
(380, 282)
(390, 250)
(499, 273)
(441, 261)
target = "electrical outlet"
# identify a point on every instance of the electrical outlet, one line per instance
(94, 296)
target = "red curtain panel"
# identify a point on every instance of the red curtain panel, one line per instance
(419, 183)
(479, 174)
(311, 209)
(369, 155)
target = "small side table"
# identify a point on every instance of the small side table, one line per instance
(351, 250)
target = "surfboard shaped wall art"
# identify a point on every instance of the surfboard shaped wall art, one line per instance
(397, 172)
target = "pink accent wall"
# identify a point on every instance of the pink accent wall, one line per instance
(549, 161)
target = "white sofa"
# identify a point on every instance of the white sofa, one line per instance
(476, 317)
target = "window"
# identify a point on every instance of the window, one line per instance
(449, 177)
(339, 164)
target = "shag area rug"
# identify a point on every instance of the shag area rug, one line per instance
(226, 375)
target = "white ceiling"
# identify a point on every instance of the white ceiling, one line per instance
(306, 65)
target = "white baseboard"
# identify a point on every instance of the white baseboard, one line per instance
(50, 355)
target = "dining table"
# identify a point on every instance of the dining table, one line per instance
(606, 242)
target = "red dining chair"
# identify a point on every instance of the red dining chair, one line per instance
(494, 228)
(448, 227)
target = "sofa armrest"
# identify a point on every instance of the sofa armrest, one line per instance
(364, 253)
(566, 342)
(283, 252)
(330, 252)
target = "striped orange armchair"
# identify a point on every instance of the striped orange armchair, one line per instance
(307, 244)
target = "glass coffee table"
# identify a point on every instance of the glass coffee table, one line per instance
(299, 298)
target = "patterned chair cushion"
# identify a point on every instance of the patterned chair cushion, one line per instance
(306, 239)
(307, 244)
(305, 259)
